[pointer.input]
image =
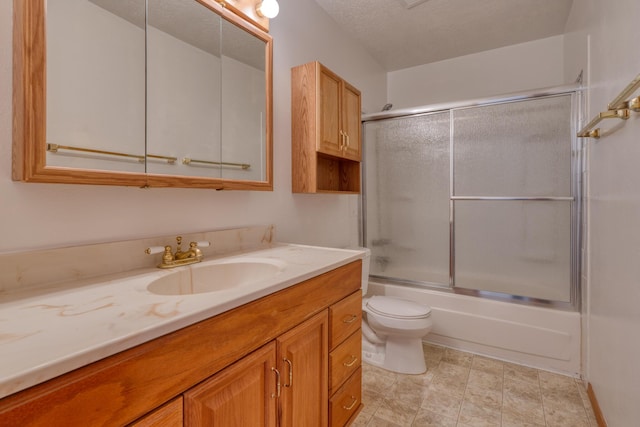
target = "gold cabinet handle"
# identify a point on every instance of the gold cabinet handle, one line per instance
(350, 407)
(351, 362)
(277, 382)
(341, 141)
(288, 362)
(350, 319)
(346, 146)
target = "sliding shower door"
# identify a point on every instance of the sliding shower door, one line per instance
(407, 197)
(481, 199)
(512, 198)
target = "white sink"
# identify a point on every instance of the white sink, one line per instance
(216, 276)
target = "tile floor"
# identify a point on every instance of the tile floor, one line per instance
(462, 389)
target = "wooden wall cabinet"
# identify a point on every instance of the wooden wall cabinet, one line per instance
(222, 371)
(325, 131)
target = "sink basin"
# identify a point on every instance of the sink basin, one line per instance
(216, 276)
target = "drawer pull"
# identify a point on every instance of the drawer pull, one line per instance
(350, 407)
(277, 382)
(288, 362)
(351, 362)
(350, 319)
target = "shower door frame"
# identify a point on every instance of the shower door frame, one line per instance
(577, 188)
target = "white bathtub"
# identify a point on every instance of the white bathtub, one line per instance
(534, 336)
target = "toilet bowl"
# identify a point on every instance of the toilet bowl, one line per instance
(393, 329)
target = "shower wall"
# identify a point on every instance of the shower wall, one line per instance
(477, 199)
(407, 193)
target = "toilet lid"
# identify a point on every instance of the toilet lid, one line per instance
(397, 308)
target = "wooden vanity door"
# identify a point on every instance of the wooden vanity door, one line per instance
(303, 363)
(242, 394)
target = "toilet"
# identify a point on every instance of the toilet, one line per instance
(393, 329)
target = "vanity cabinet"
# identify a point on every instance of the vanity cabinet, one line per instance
(168, 415)
(222, 368)
(242, 394)
(303, 366)
(284, 383)
(345, 360)
(325, 131)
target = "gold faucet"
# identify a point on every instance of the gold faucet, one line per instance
(170, 260)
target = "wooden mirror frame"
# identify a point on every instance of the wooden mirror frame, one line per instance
(29, 112)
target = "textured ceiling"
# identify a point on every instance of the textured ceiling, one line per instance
(434, 30)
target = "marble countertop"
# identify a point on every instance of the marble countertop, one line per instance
(50, 331)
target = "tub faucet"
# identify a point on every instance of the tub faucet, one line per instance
(180, 257)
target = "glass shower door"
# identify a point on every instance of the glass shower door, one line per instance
(512, 198)
(407, 197)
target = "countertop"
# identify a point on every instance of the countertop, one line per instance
(49, 331)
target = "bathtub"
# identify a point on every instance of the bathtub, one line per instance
(539, 337)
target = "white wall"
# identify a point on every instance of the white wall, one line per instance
(52, 215)
(520, 67)
(613, 293)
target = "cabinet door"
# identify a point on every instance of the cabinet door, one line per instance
(303, 361)
(351, 121)
(168, 415)
(244, 394)
(330, 137)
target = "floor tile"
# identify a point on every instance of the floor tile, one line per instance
(397, 412)
(426, 418)
(520, 417)
(379, 422)
(465, 390)
(443, 404)
(521, 373)
(457, 357)
(486, 364)
(484, 397)
(486, 380)
(474, 414)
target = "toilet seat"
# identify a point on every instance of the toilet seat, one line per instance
(396, 308)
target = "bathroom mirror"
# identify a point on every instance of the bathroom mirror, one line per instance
(159, 93)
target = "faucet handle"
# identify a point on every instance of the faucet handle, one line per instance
(154, 250)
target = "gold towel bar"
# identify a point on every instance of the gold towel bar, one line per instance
(55, 147)
(170, 159)
(188, 161)
(619, 108)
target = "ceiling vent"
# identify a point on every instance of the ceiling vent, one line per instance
(412, 3)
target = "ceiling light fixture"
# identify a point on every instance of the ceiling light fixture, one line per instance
(268, 9)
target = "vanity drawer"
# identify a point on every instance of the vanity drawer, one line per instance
(344, 318)
(346, 403)
(345, 360)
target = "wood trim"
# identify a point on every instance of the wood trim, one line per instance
(596, 407)
(170, 414)
(119, 389)
(304, 128)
